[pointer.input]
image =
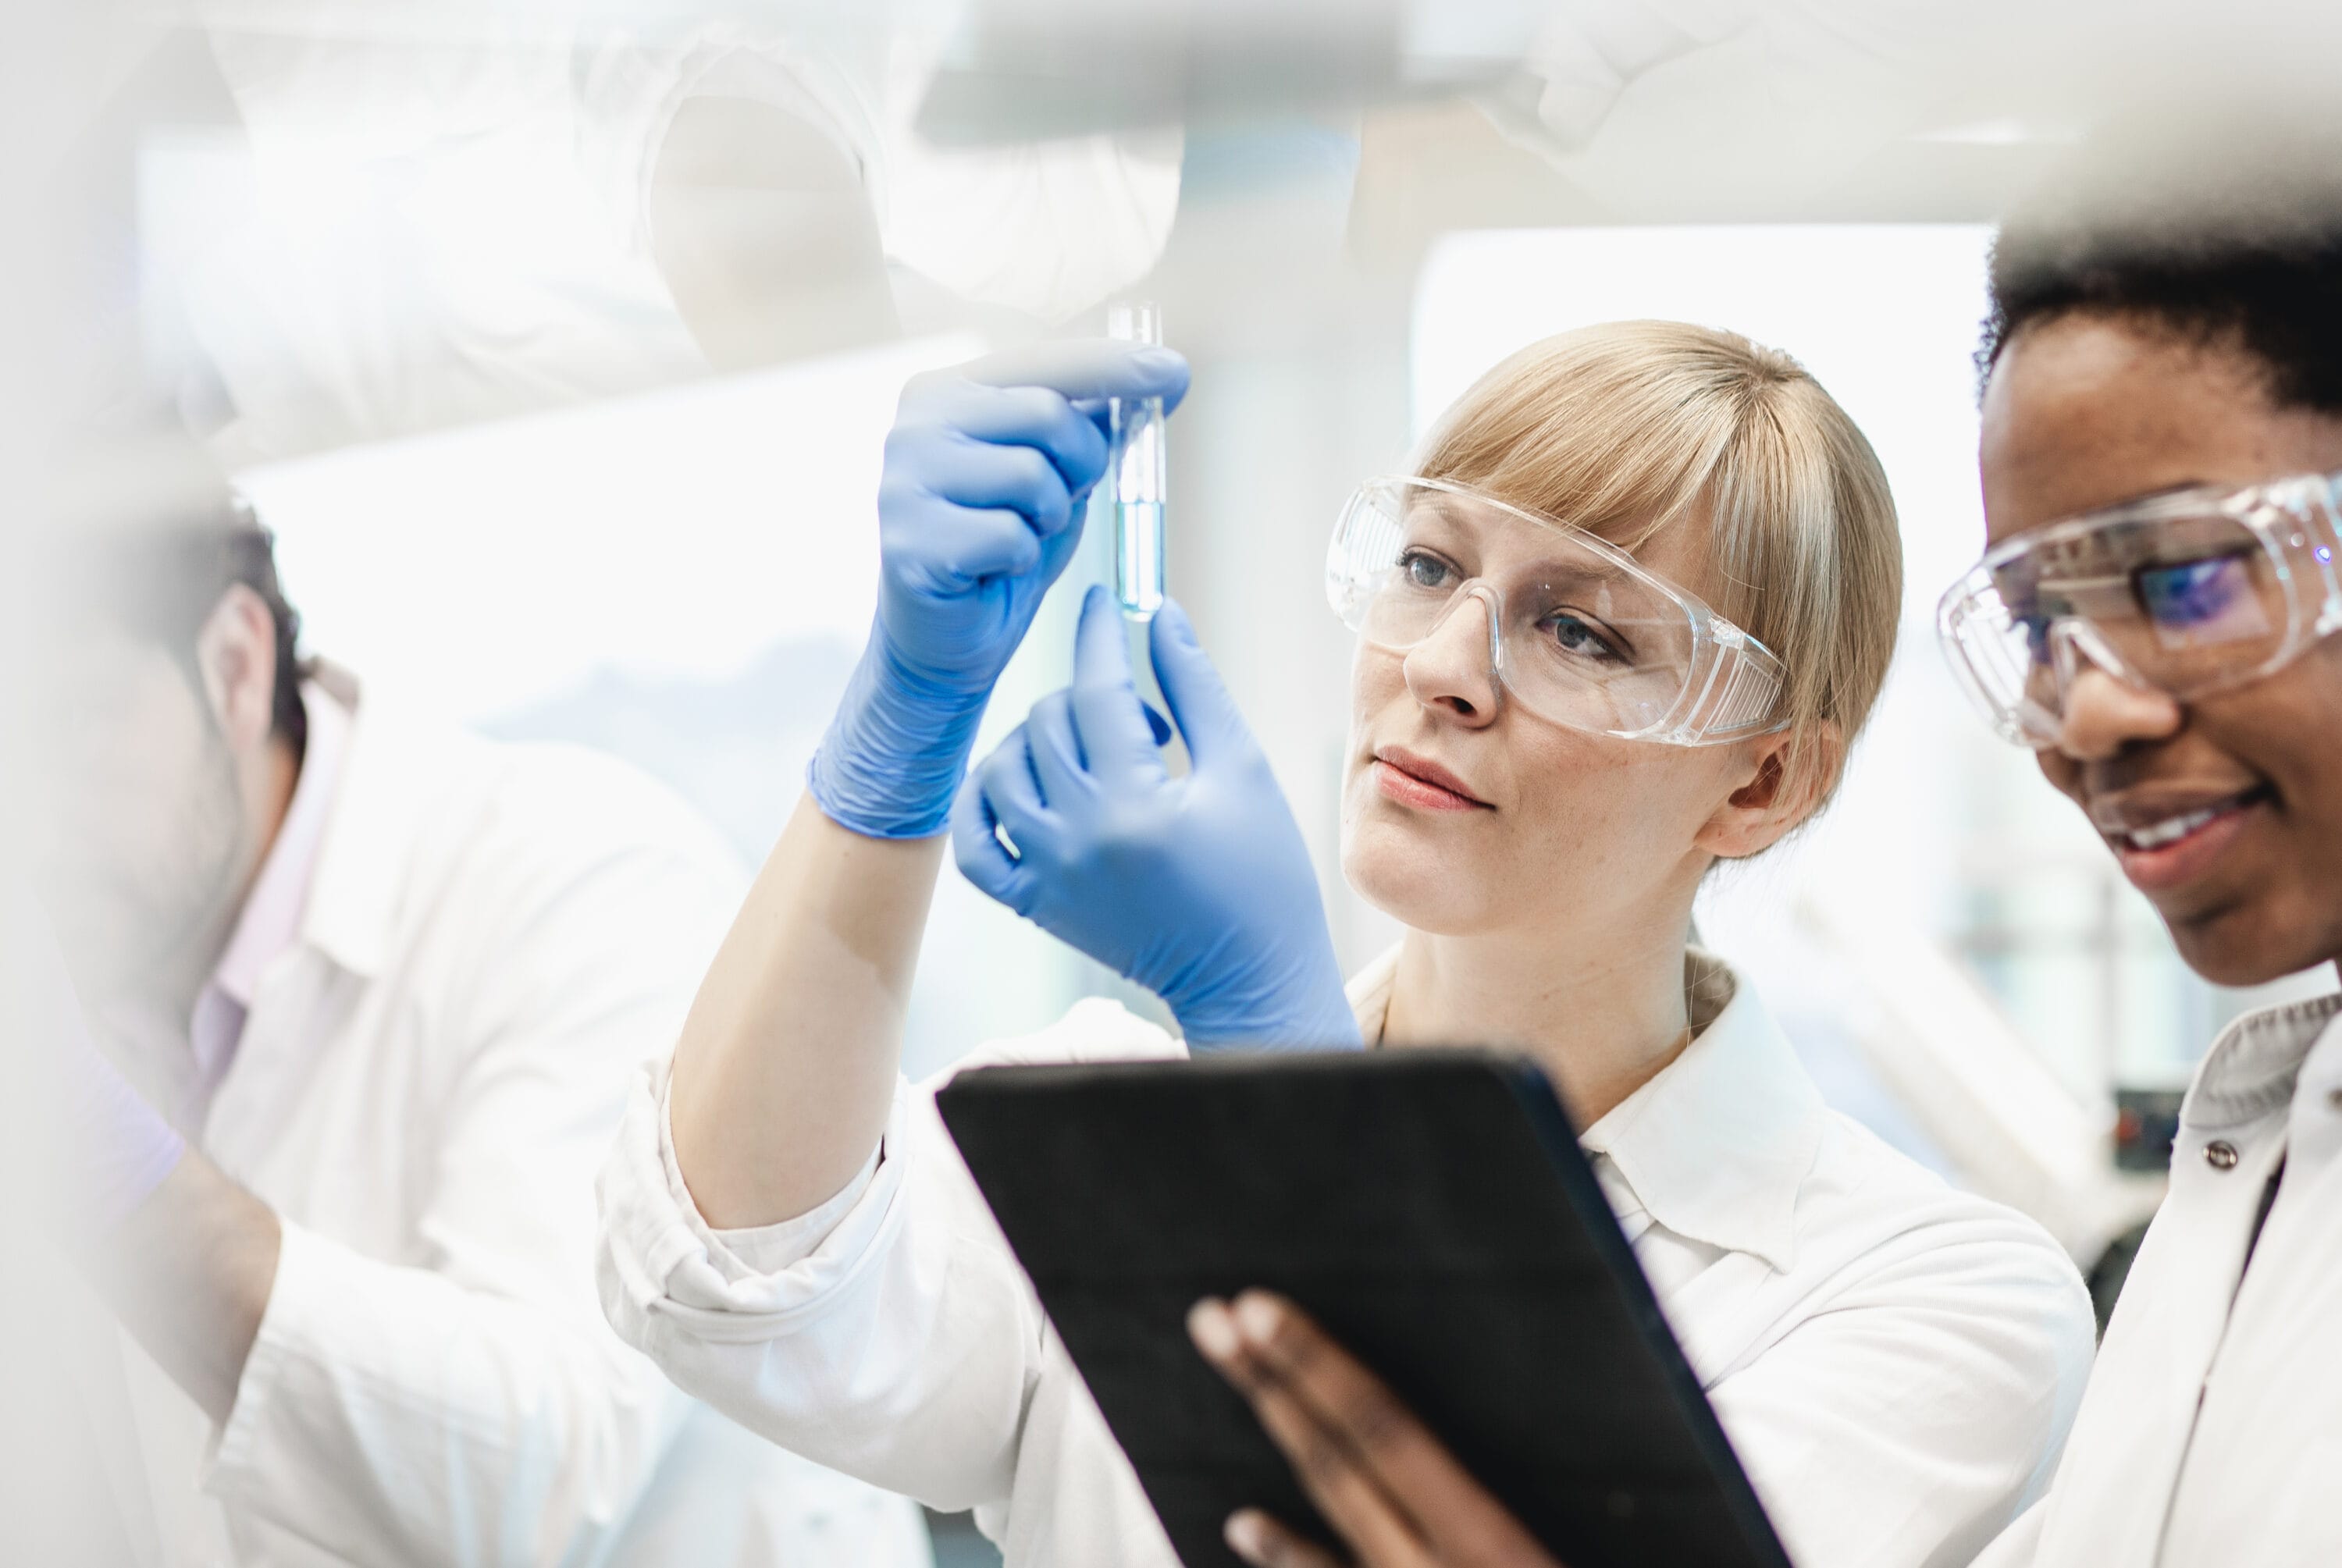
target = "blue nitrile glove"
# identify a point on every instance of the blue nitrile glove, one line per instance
(980, 509)
(1199, 888)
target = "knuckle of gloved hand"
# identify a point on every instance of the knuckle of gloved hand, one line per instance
(1035, 476)
(1035, 409)
(913, 452)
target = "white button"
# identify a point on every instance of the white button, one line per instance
(2220, 1155)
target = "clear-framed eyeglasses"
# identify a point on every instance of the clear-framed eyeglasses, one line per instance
(2188, 594)
(1579, 632)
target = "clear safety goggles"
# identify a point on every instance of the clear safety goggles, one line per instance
(2186, 593)
(1579, 632)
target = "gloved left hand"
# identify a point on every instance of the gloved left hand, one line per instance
(1199, 888)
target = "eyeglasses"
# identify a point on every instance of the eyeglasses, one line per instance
(1579, 633)
(2185, 594)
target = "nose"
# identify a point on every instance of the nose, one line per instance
(1454, 667)
(2102, 715)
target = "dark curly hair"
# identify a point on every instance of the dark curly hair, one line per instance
(2223, 227)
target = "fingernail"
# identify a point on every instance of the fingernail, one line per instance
(1244, 1536)
(1257, 1317)
(1209, 1326)
(1158, 360)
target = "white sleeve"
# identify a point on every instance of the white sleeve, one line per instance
(890, 1335)
(1909, 1420)
(464, 1403)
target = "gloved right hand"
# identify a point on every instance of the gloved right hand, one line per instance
(979, 508)
(1199, 888)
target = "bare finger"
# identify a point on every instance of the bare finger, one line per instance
(1462, 1524)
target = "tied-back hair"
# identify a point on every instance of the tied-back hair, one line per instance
(1634, 427)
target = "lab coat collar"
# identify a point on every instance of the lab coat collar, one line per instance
(1716, 1145)
(271, 919)
(2252, 1068)
(383, 796)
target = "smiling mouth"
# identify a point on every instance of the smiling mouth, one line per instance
(2171, 830)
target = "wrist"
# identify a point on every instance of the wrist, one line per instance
(1310, 1014)
(893, 757)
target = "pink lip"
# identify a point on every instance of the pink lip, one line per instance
(2174, 864)
(1419, 782)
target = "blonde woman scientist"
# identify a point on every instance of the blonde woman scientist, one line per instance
(1555, 731)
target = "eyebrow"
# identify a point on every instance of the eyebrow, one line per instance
(1593, 569)
(2179, 487)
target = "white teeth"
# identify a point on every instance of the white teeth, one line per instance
(2171, 830)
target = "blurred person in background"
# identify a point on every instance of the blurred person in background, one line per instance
(786, 1228)
(359, 996)
(2154, 617)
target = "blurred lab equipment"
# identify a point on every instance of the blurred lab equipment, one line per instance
(1139, 467)
(1199, 888)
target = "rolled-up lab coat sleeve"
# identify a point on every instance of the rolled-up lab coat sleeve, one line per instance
(890, 1335)
(462, 1400)
(1909, 1420)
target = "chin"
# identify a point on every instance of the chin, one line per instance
(1410, 880)
(2253, 943)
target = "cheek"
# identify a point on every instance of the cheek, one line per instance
(1377, 679)
(1376, 684)
(1599, 813)
(2064, 773)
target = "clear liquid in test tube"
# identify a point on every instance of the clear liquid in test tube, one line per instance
(1136, 468)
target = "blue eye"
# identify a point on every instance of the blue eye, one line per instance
(1575, 634)
(1423, 569)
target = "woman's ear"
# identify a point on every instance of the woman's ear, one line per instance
(1788, 776)
(235, 659)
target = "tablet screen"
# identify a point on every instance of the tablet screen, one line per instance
(1433, 1211)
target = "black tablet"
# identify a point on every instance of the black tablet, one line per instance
(1433, 1211)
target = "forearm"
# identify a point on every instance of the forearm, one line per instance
(785, 1068)
(190, 1272)
(538, 1433)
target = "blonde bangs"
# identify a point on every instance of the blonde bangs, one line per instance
(1578, 428)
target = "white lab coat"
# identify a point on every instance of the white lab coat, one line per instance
(2212, 1429)
(493, 939)
(1895, 1361)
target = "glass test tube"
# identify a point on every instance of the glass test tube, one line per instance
(1136, 469)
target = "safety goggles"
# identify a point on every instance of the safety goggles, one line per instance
(1579, 632)
(2186, 593)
